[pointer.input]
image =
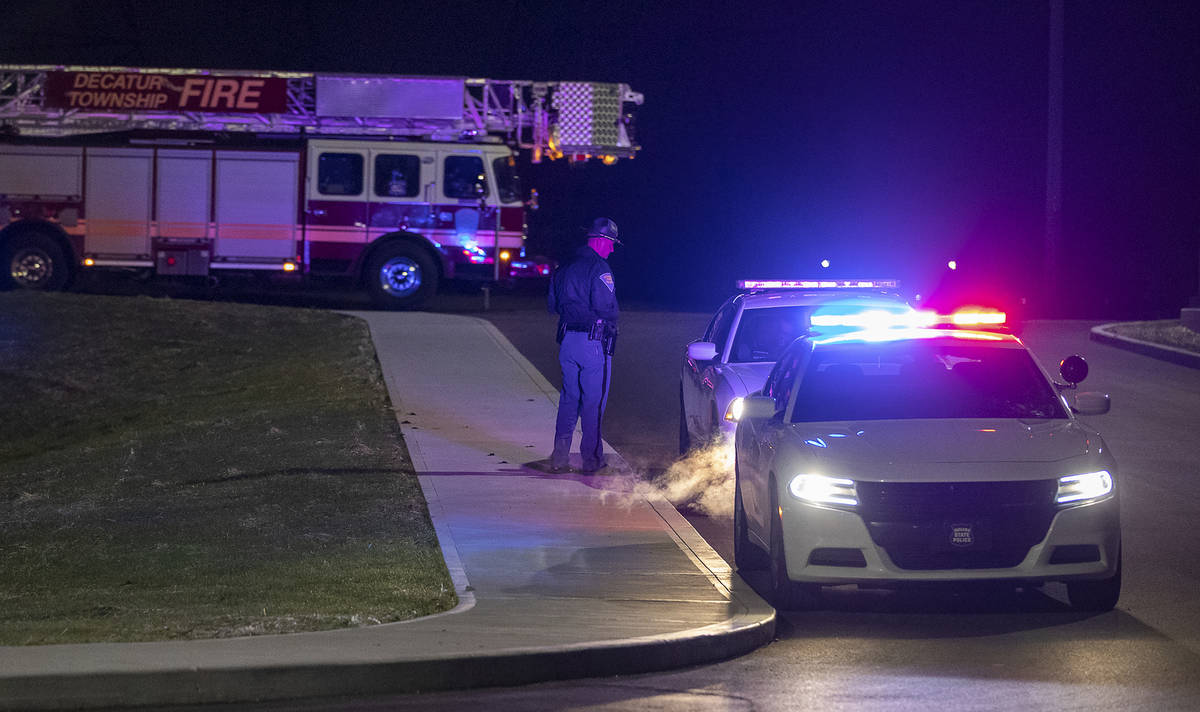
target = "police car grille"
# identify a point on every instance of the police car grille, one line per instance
(914, 521)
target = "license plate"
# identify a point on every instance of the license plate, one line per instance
(972, 535)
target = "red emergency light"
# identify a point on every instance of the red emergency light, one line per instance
(875, 319)
(978, 317)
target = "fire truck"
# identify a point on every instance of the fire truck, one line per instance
(397, 182)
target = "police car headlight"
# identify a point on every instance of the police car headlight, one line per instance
(733, 412)
(819, 489)
(1076, 489)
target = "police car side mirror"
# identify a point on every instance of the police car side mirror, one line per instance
(758, 407)
(702, 351)
(1091, 403)
(1073, 369)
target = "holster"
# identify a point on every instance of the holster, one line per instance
(608, 336)
(609, 342)
(605, 332)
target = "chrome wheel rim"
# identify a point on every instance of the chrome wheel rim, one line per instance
(31, 267)
(400, 276)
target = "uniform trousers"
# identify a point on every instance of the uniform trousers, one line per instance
(586, 371)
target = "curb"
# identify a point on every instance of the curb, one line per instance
(184, 685)
(1181, 357)
(741, 633)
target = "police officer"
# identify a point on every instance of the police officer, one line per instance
(584, 296)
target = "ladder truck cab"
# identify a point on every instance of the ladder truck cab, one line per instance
(397, 182)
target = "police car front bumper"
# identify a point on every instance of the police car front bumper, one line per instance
(835, 546)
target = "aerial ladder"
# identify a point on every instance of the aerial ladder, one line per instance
(550, 119)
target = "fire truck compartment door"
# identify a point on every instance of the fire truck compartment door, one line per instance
(41, 170)
(256, 204)
(117, 201)
(184, 193)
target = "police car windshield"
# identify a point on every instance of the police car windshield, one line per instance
(763, 334)
(903, 380)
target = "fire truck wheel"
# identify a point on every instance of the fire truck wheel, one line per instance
(400, 276)
(32, 260)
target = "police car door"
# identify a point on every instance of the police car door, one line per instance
(758, 438)
(707, 373)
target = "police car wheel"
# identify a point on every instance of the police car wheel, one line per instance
(685, 438)
(746, 554)
(1097, 595)
(400, 276)
(33, 260)
(786, 594)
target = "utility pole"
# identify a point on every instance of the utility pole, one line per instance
(1054, 139)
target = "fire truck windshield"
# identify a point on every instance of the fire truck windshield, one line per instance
(508, 184)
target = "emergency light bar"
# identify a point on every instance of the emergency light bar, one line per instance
(882, 319)
(818, 284)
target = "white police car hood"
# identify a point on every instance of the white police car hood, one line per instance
(949, 449)
(745, 378)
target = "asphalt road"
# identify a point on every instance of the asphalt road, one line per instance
(960, 649)
(963, 649)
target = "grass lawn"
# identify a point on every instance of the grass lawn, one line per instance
(1169, 332)
(180, 469)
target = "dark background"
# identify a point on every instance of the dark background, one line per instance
(887, 137)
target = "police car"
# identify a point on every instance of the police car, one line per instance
(923, 455)
(747, 334)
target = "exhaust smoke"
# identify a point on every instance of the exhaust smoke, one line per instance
(702, 480)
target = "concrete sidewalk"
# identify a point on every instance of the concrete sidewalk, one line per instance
(558, 575)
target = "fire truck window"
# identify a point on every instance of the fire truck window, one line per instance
(397, 176)
(464, 177)
(508, 184)
(340, 174)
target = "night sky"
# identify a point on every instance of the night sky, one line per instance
(887, 137)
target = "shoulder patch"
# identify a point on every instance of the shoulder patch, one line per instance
(608, 281)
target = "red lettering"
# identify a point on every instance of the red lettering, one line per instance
(248, 97)
(147, 91)
(226, 90)
(191, 88)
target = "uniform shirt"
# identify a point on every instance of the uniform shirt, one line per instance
(582, 290)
